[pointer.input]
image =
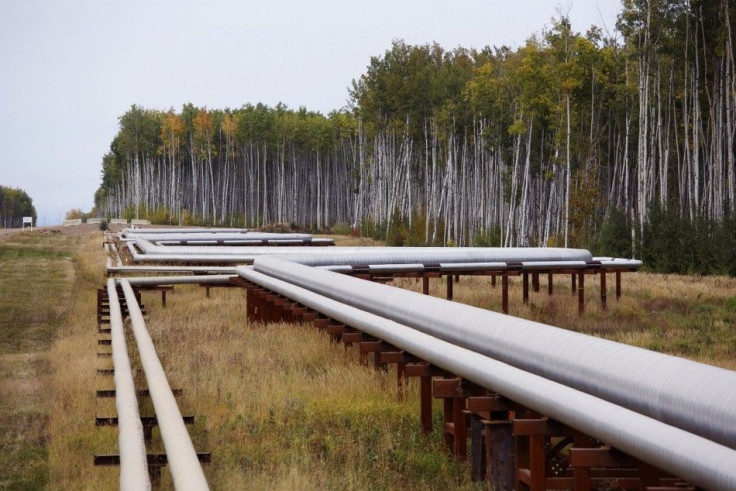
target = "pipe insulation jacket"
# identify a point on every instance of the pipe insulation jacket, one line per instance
(131, 442)
(358, 256)
(219, 279)
(182, 230)
(366, 256)
(210, 236)
(693, 396)
(249, 242)
(186, 470)
(172, 269)
(699, 460)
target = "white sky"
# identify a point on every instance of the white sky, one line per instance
(70, 68)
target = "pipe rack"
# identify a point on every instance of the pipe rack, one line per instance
(696, 397)
(698, 459)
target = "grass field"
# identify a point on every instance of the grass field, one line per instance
(279, 406)
(35, 273)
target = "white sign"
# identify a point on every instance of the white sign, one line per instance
(28, 220)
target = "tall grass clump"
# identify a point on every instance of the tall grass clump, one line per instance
(281, 406)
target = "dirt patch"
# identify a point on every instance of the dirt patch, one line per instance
(82, 229)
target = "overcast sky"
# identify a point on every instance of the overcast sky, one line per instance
(70, 68)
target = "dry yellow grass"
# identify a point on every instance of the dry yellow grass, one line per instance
(280, 406)
(74, 439)
(35, 269)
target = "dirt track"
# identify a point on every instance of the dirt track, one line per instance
(82, 229)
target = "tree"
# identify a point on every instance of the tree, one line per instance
(14, 205)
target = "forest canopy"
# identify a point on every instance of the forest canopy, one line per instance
(14, 205)
(621, 144)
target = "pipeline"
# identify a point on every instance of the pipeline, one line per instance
(213, 236)
(180, 230)
(693, 396)
(172, 269)
(186, 470)
(603, 263)
(356, 256)
(697, 459)
(220, 279)
(131, 442)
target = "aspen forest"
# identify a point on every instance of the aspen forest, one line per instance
(621, 142)
(14, 205)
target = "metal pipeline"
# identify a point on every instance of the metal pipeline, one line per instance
(356, 256)
(181, 230)
(172, 269)
(701, 461)
(131, 442)
(693, 396)
(214, 236)
(211, 279)
(186, 470)
(481, 267)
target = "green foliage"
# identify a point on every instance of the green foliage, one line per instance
(341, 229)
(730, 305)
(672, 244)
(14, 205)
(615, 237)
(74, 214)
(487, 238)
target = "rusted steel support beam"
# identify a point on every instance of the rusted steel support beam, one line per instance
(535, 282)
(335, 329)
(376, 347)
(505, 293)
(425, 372)
(618, 285)
(400, 359)
(449, 287)
(500, 454)
(581, 292)
(493, 280)
(425, 395)
(455, 391)
(496, 448)
(525, 287)
(530, 456)
(550, 284)
(594, 466)
(425, 284)
(460, 427)
(603, 289)
(350, 337)
(477, 455)
(573, 286)
(447, 423)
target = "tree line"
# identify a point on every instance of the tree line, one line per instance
(571, 139)
(14, 205)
